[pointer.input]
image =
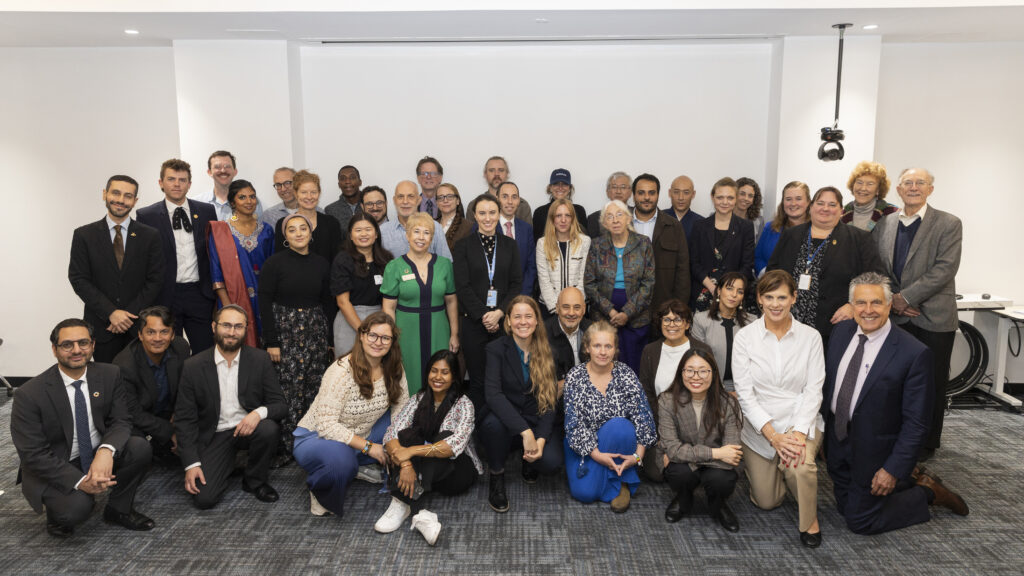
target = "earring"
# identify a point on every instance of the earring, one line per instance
(234, 217)
(286, 244)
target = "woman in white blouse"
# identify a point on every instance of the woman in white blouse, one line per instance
(779, 369)
(341, 434)
(561, 254)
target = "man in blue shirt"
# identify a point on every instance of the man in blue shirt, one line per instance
(220, 167)
(392, 233)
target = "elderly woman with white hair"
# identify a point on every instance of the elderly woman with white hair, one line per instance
(619, 280)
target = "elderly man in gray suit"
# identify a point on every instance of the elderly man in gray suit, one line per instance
(920, 250)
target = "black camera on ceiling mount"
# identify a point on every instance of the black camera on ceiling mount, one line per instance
(831, 148)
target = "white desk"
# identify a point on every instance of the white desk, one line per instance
(999, 321)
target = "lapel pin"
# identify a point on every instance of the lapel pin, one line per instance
(95, 394)
(132, 234)
(833, 241)
(196, 216)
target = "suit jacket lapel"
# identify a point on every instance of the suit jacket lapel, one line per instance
(889, 349)
(512, 356)
(197, 232)
(887, 243)
(59, 397)
(129, 242)
(244, 372)
(730, 235)
(210, 368)
(923, 233)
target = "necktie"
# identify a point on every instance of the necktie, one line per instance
(728, 323)
(508, 229)
(181, 221)
(85, 450)
(430, 207)
(846, 390)
(118, 246)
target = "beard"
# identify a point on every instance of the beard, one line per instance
(229, 343)
(118, 211)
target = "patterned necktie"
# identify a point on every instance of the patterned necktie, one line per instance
(118, 246)
(85, 449)
(846, 390)
(181, 221)
(430, 207)
(508, 229)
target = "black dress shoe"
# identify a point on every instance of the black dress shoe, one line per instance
(530, 473)
(674, 512)
(497, 497)
(132, 520)
(264, 492)
(59, 530)
(728, 520)
(810, 540)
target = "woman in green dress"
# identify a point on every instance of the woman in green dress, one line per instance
(419, 293)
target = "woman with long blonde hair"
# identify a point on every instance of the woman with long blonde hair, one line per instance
(561, 254)
(522, 399)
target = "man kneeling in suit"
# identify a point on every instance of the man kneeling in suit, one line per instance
(72, 430)
(228, 399)
(877, 408)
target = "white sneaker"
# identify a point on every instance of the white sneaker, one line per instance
(371, 473)
(426, 522)
(315, 508)
(393, 517)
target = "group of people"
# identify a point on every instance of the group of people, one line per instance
(411, 351)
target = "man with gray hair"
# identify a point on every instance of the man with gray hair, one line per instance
(920, 252)
(619, 187)
(877, 402)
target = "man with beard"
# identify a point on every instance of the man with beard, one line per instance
(150, 369)
(116, 268)
(72, 430)
(347, 204)
(495, 173)
(671, 252)
(565, 331)
(375, 203)
(616, 189)
(229, 399)
(220, 167)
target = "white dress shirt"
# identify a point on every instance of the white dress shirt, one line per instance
(184, 246)
(908, 220)
(574, 342)
(645, 228)
(778, 381)
(871, 349)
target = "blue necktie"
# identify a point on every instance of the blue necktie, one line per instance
(85, 449)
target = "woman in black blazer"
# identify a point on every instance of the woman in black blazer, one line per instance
(829, 254)
(720, 243)
(487, 277)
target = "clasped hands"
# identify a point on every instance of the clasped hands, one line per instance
(533, 447)
(903, 308)
(100, 476)
(790, 447)
(121, 321)
(607, 459)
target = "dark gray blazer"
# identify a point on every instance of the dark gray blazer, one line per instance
(141, 389)
(929, 276)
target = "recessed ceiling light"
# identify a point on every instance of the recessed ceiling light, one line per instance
(871, 27)
(130, 31)
(541, 20)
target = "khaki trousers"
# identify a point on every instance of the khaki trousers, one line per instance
(769, 479)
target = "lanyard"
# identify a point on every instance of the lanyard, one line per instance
(807, 269)
(493, 260)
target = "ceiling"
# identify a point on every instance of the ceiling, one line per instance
(359, 24)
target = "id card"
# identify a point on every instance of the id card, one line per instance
(492, 298)
(378, 279)
(805, 282)
(405, 277)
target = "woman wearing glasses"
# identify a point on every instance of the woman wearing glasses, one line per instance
(451, 215)
(869, 184)
(343, 430)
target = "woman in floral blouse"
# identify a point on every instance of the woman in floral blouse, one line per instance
(429, 447)
(608, 424)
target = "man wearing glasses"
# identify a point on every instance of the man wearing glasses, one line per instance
(289, 203)
(347, 204)
(229, 399)
(920, 251)
(429, 173)
(618, 188)
(375, 203)
(72, 430)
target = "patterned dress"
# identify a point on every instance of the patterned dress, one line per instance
(251, 251)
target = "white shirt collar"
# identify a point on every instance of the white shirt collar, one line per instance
(111, 223)
(905, 219)
(68, 380)
(880, 334)
(219, 358)
(171, 206)
(648, 221)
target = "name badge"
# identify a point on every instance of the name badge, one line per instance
(492, 298)
(378, 279)
(805, 282)
(405, 277)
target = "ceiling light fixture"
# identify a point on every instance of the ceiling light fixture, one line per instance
(871, 27)
(131, 32)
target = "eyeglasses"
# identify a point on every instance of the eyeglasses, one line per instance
(865, 183)
(700, 373)
(918, 183)
(614, 216)
(377, 204)
(282, 185)
(231, 327)
(430, 174)
(69, 345)
(446, 197)
(373, 338)
(672, 321)
(222, 166)
(619, 186)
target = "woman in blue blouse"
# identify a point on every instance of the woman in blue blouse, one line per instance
(792, 211)
(608, 424)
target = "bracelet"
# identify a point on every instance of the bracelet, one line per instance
(406, 464)
(366, 448)
(639, 461)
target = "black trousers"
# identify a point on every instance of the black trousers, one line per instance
(106, 350)
(193, 314)
(218, 460)
(474, 338)
(718, 483)
(439, 475)
(130, 465)
(941, 345)
(498, 441)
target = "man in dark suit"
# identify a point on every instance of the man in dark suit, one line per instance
(668, 239)
(565, 331)
(519, 230)
(150, 369)
(182, 223)
(618, 188)
(681, 195)
(228, 400)
(920, 251)
(72, 430)
(877, 403)
(116, 268)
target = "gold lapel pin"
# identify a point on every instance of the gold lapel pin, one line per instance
(833, 241)
(132, 234)
(95, 394)
(196, 216)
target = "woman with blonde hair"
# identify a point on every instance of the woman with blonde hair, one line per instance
(792, 211)
(522, 395)
(561, 254)
(869, 184)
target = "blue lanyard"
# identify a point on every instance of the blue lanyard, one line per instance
(491, 263)
(807, 269)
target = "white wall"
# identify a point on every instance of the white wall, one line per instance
(955, 110)
(71, 118)
(667, 109)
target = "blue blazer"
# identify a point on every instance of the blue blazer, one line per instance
(527, 253)
(202, 214)
(893, 412)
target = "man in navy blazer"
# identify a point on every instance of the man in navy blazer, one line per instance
(182, 223)
(522, 232)
(877, 403)
(116, 268)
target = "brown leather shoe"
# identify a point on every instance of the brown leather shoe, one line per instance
(943, 496)
(621, 502)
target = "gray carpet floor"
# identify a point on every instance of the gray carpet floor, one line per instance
(546, 531)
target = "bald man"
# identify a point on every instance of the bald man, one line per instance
(681, 194)
(565, 331)
(392, 233)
